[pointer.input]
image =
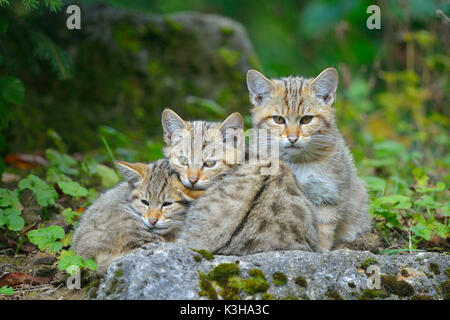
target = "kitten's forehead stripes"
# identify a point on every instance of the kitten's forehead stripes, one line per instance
(158, 185)
(293, 98)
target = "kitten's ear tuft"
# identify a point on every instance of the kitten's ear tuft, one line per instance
(232, 126)
(260, 88)
(132, 172)
(171, 122)
(325, 85)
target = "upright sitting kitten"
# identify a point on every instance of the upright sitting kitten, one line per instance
(192, 147)
(299, 112)
(147, 207)
(247, 212)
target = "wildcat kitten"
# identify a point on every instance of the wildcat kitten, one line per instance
(299, 113)
(247, 212)
(195, 149)
(147, 207)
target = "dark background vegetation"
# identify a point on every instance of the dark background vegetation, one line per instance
(70, 101)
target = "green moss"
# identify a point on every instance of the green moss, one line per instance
(251, 285)
(228, 56)
(370, 294)
(205, 254)
(421, 297)
(301, 282)
(434, 268)
(206, 287)
(173, 25)
(445, 289)
(447, 272)
(351, 284)
(267, 296)
(366, 263)
(256, 273)
(291, 297)
(279, 278)
(197, 258)
(226, 30)
(223, 272)
(333, 295)
(118, 273)
(398, 287)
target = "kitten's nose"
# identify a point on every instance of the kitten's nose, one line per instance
(193, 180)
(153, 221)
(292, 139)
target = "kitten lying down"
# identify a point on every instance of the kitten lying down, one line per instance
(147, 207)
(247, 212)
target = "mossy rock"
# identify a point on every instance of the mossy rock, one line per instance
(400, 288)
(301, 282)
(445, 289)
(279, 278)
(368, 262)
(434, 268)
(371, 294)
(128, 66)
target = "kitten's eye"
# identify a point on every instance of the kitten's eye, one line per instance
(210, 163)
(306, 119)
(166, 204)
(183, 160)
(145, 202)
(278, 119)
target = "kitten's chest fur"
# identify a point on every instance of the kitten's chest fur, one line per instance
(318, 182)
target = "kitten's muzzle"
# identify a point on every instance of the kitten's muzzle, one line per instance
(292, 139)
(153, 221)
(193, 180)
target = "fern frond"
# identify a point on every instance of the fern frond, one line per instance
(47, 51)
(4, 3)
(54, 5)
(30, 4)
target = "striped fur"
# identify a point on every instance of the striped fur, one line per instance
(191, 146)
(247, 212)
(120, 219)
(300, 115)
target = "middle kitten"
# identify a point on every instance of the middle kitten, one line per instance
(192, 147)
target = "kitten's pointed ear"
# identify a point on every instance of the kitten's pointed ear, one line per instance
(232, 125)
(325, 85)
(234, 121)
(132, 172)
(260, 88)
(171, 122)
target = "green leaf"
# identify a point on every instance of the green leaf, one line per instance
(63, 162)
(73, 189)
(388, 149)
(428, 202)
(375, 183)
(70, 260)
(45, 194)
(70, 215)
(397, 201)
(47, 237)
(12, 90)
(7, 291)
(13, 219)
(421, 177)
(108, 176)
(10, 198)
(91, 264)
(421, 231)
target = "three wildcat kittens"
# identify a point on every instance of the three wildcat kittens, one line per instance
(313, 202)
